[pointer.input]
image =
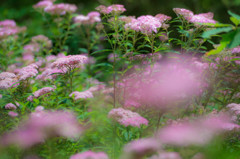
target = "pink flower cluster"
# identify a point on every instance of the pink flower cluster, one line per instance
(7, 80)
(90, 155)
(42, 40)
(81, 95)
(42, 125)
(42, 4)
(43, 91)
(167, 155)
(27, 72)
(91, 18)
(10, 106)
(9, 28)
(113, 9)
(127, 117)
(142, 147)
(60, 9)
(49, 73)
(162, 86)
(145, 24)
(236, 50)
(234, 108)
(199, 132)
(195, 18)
(70, 62)
(163, 18)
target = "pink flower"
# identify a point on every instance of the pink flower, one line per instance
(113, 9)
(43, 91)
(32, 47)
(187, 14)
(42, 40)
(90, 155)
(236, 50)
(234, 108)
(8, 83)
(162, 17)
(127, 117)
(42, 4)
(145, 24)
(30, 98)
(5, 75)
(50, 73)
(201, 18)
(91, 18)
(1, 96)
(39, 108)
(10, 106)
(8, 23)
(81, 95)
(199, 132)
(12, 114)
(166, 155)
(28, 72)
(142, 147)
(70, 62)
(60, 9)
(42, 125)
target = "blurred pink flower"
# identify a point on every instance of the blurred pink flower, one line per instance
(10, 106)
(42, 125)
(12, 114)
(81, 95)
(70, 62)
(145, 24)
(60, 9)
(127, 117)
(113, 9)
(43, 91)
(90, 155)
(198, 132)
(141, 147)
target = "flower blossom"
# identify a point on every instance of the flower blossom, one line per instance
(70, 62)
(90, 155)
(28, 72)
(235, 50)
(91, 18)
(127, 117)
(5, 75)
(199, 132)
(81, 95)
(113, 9)
(163, 18)
(8, 23)
(145, 24)
(43, 91)
(10, 106)
(195, 18)
(42, 40)
(141, 147)
(60, 9)
(42, 125)
(166, 155)
(43, 4)
(12, 114)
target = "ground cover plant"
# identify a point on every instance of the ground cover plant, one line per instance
(107, 85)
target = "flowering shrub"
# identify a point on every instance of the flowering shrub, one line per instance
(104, 85)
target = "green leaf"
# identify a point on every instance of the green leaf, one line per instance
(99, 51)
(234, 15)
(226, 39)
(209, 33)
(236, 40)
(235, 21)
